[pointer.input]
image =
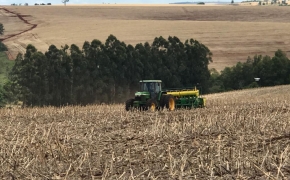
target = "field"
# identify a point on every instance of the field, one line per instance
(232, 33)
(239, 135)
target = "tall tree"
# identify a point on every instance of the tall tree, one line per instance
(160, 61)
(1, 29)
(60, 75)
(281, 66)
(145, 57)
(29, 77)
(94, 53)
(134, 69)
(116, 55)
(80, 76)
(198, 58)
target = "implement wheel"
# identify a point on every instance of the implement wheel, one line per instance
(151, 104)
(129, 104)
(169, 102)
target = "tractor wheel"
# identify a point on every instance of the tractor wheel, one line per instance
(169, 102)
(129, 104)
(162, 101)
(151, 104)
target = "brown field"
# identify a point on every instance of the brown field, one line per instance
(232, 33)
(239, 135)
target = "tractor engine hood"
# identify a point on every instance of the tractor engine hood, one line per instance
(141, 93)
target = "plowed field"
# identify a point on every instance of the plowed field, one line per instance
(232, 33)
(239, 135)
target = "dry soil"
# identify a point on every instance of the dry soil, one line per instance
(232, 33)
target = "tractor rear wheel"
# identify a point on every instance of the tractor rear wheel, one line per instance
(129, 104)
(169, 102)
(151, 104)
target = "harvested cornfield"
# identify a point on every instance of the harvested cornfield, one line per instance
(239, 135)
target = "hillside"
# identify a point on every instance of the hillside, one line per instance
(242, 134)
(232, 33)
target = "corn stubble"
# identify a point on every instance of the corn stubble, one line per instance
(239, 135)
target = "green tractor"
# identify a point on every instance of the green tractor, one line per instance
(152, 97)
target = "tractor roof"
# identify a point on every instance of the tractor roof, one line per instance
(150, 81)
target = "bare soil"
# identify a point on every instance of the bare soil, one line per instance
(232, 33)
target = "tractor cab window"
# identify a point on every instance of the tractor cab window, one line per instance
(157, 87)
(143, 87)
(151, 86)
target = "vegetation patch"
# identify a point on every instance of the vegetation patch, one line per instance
(3, 47)
(5, 67)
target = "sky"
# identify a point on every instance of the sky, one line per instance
(32, 2)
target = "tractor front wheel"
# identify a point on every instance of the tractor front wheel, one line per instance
(151, 104)
(129, 104)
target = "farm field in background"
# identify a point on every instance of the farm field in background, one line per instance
(240, 134)
(232, 33)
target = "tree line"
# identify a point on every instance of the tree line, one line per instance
(1, 29)
(105, 72)
(109, 72)
(271, 71)
(2, 49)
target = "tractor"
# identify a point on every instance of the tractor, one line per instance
(152, 97)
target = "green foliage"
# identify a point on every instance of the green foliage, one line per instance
(5, 67)
(271, 71)
(107, 72)
(1, 29)
(2, 100)
(6, 95)
(253, 85)
(2, 47)
(215, 82)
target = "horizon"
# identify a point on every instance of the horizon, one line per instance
(107, 2)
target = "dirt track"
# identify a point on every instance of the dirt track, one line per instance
(21, 17)
(17, 46)
(231, 33)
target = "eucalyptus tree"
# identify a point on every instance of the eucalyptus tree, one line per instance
(1, 29)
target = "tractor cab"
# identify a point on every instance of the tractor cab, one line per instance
(151, 86)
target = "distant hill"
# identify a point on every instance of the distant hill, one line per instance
(206, 2)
